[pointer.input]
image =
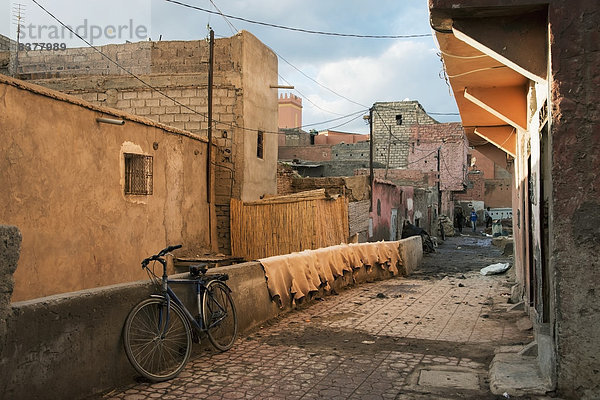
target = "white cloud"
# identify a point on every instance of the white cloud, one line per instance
(406, 69)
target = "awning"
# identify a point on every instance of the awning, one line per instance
(493, 58)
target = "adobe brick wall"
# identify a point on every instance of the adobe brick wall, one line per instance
(285, 177)
(403, 177)
(575, 206)
(305, 153)
(351, 151)
(294, 137)
(180, 70)
(475, 188)
(497, 193)
(384, 120)
(335, 137)
(5, 54)
(483, 164)
(358, 218)
(5, 43)
(452, 142)
(355, 188)
(10, 249)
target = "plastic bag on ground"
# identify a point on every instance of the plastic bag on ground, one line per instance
(494, 269)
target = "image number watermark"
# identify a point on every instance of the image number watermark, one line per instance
(42, 46)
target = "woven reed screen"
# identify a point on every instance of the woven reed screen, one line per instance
(284, 224)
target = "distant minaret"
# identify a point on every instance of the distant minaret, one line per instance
(290, 111)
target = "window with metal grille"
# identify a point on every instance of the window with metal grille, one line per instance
(138, 174)
(259, 144)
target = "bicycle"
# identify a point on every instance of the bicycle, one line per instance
(158, 331)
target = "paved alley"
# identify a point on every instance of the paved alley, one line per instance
(427, 336)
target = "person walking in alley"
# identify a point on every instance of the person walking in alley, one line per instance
(488, 218)
(473, 219)
(460, 219)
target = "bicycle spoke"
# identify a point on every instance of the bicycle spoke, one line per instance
(157, 346)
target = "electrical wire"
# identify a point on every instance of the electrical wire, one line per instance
(293, 66)
(476, 70)
(117, 64)
(336, 119)
(202, 114)
(230, 124)
(234, 30)
(422, 158)
(301, 29)
(309, 77)
(393, 107)
(308, 98)
(318, 83)
(462, 57)
(345, 123)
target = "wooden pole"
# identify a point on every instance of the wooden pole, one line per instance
(210, 121)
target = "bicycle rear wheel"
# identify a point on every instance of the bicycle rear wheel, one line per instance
(158, 346)
(220, 317)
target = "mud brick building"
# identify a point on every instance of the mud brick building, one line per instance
(392, 126)
(5, 56)
(524, 76)
(91, 198)
(244, 104)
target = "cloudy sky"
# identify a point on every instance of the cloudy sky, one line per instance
(352, 73)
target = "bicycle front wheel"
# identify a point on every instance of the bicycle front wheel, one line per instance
(158, 343)
(220, 318)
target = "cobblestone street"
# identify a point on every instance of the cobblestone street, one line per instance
(429, 335)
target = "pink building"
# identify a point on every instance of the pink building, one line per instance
(336, 137)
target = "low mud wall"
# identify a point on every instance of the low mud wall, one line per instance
(70, 346)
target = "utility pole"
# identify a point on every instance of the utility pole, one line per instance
(211, 45)
(209, 169)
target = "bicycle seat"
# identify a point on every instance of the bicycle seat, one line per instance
(197, 269)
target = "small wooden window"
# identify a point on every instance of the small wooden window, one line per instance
(259, 144)
(138, 174)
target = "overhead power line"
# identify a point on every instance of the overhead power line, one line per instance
(352, 35)
(233, 125)
(318, 83)
(115, 62)
(337, 119)
(345, 123)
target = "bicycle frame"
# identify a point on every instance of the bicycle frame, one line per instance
(169, 295)
(199, 326)
(200, 289)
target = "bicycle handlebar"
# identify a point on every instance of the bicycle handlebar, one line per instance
(160, 254)
(168, 250)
